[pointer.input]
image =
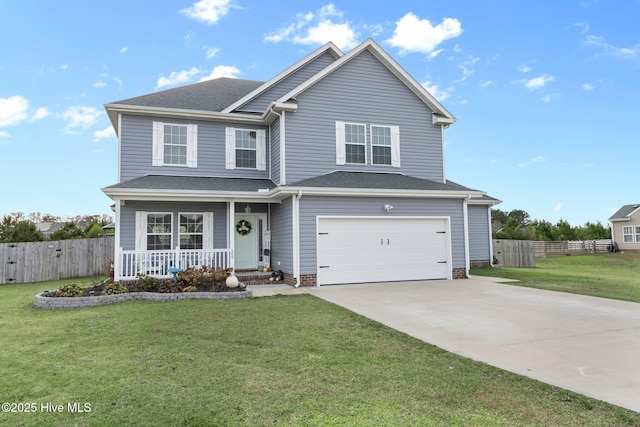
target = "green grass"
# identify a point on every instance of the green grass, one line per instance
(284, 360)
(610, 275)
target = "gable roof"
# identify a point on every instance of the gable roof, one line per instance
(625, 213)
(327, 48)
(442, 115)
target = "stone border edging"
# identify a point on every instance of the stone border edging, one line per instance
(41, 301)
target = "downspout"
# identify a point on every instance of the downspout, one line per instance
(465, 215)
(296, 238)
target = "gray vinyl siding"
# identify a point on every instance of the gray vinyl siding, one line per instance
(127, 220)
(311, 207)
(137, 145)
(282, 237)
(478, 233)
(275, 151)
(361, 91)
(261, 103)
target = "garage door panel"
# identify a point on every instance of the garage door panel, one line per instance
(352, 250)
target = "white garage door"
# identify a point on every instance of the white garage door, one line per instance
(357, 250)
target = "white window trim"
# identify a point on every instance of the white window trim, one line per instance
(261, 150)
(636, 229)
(207, 228)
(341, 155)
(341, 143)
(141, 229)
(630, 228)
(395, 145)
(158, 145)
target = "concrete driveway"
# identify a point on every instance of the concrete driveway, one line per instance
(585, 344)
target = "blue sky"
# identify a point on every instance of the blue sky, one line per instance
(545, 92)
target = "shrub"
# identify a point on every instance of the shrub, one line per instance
(114, 288)
(204, 278)
(147, 283)
(169, 286)
(70, 290)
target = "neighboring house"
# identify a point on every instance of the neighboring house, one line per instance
(332, 171)
(625, 228)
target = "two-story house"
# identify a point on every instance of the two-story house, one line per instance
(332, 171)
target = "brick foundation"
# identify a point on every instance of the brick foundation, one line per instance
(305, 279)
(459, 273)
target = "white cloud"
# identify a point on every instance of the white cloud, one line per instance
(341, 34)
(486, 83)
(558, 207)
(124, 49)
(177, 77)
(64, 67)
(4, 134)
(13, 110)
(118, 81)
(434, 53)
(538, 159)
(211, 51)
(467, 68)
(40, 113)
(80, 117)
(538, 82)
(611, 50)
(413, 34)
(98, 84)
(107, 132)
(323, 26)
(222, 71)
(208, 11)
(439, 94)
(524, 68)
(588, 86)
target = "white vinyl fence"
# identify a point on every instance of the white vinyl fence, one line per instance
(53, 260)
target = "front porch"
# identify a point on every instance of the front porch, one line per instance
(157, 263)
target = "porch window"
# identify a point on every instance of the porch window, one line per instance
(191, 231)
(627, 234)
(158, 231)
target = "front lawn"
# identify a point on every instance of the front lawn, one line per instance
(284, 360)
(609, 275)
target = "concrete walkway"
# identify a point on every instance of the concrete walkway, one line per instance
(585, 344)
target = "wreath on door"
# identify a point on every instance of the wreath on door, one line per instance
(243, 227)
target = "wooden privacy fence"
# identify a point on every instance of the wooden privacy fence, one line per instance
(53, 260)
(564, 247)
(513, 253)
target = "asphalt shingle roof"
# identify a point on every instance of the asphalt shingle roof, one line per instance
(211, 95)
(391, 181)
(624, 211)
(191, 183)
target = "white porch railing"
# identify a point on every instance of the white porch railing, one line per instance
(157, 263)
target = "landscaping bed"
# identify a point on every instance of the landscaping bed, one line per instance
(193, 283)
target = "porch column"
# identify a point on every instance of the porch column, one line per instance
(117, 250)
(231, 236)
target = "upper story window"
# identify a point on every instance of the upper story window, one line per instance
(246, 149)
(175, 145)
(353, 146)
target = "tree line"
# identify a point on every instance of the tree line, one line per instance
(517, 225)
(18, 227)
